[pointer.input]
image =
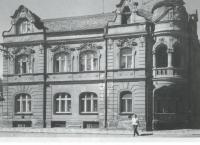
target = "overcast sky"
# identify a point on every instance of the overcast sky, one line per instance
(64, 8)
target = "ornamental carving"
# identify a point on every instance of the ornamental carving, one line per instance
(60, 48)
(89, 46)
(23, 50)
(127, 42)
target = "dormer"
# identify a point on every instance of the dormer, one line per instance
(24, 22)
(127, 12)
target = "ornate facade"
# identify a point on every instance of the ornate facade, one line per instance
(95, 71)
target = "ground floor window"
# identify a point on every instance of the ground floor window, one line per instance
(126, 102)
(22, 124)
(23, 104)
(166, 106)
(62, 103)
(88, 103)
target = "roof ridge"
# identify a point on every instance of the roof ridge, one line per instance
(64, 18)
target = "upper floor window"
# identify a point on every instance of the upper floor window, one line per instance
(126, 58)
(161, 56)
(88, 103)
(62, 103)
(62, 62)
(126, 102)
(23, 65)
(23, 103)
(126, 16)
(88, 61)
(24, 27)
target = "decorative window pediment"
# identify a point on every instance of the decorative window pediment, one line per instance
(89, 46)
(23, 51)
(61, 48)
(126, 43)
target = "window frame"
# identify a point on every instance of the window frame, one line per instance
(161, 56)
(60, 99)
(126, 16)
(123, 55)
(24, 26)
(83, 61)
(21, 98)
(19, 65)
(122, 95)
(67, 62)
(91, 97)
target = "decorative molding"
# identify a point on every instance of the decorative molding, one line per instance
(127, 42)
(61, 48)
(23, 50)
(24, 13)
(89, 46)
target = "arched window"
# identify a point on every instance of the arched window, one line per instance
(166, 99)
(24, 26)
(62, 103)
(161, 56)
(62, 62)
(23, 65)
(126, 58)
(126, 16)
(22, 104)
(176, 60)
(126, 102)
(88, 61)
(88, 103)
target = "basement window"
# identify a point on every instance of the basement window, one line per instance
(90, 124)
(58, 124)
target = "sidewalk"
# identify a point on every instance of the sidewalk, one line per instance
(75, 131)
(179, 132)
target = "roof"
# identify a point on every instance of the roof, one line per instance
(144, 13)
(78, 22)
(167, 3)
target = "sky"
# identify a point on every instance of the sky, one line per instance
(65, 8)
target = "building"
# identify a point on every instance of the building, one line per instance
(95, 71)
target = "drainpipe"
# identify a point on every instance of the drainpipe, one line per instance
(45, 77)
(106, 75)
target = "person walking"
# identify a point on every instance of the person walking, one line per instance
(135, 123)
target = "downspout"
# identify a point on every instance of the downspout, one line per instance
(106, 75)
(44, 77)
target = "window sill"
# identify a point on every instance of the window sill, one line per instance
(62, 113)
(88, 113)
(126, 113)
(23, 114)
(165, 113)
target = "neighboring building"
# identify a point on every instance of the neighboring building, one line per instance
(87, 70)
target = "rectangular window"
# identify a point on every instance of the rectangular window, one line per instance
(126, 58)
(126, 102)
(90, 124)
(166, 106)
(58, 124)
(23, 104)
(22, 124)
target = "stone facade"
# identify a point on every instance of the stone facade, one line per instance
(133, 60)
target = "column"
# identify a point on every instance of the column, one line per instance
(154, 59)
(170, 51)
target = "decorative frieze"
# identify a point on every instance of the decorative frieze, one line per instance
(23, 50)
(128, 42)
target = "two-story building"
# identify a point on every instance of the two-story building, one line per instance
(95, 71)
